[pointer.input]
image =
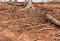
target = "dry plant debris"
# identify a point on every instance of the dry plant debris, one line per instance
(30, 25)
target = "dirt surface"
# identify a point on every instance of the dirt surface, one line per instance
(30, 25)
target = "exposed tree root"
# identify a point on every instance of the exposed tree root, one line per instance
(14, 6)
(52, 19)
(29, 6)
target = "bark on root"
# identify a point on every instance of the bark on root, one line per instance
(52, 19)
(14, 6)
(29, 6)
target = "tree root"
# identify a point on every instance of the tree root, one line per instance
(52, 19)
(27, 8)
(14, 6)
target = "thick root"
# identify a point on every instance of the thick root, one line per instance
(14, 6)
(52, 19)
(27, 8)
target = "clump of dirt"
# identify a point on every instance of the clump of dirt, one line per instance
(30, 25)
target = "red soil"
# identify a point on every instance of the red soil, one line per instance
(29, 25)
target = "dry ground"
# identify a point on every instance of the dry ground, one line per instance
(30, 25)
